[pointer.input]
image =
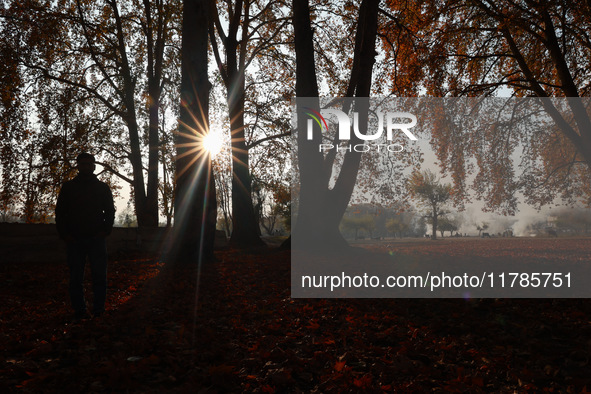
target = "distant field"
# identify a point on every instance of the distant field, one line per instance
(572, 249)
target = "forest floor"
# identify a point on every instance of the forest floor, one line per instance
(236, 329)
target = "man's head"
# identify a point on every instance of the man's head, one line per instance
(85, 163)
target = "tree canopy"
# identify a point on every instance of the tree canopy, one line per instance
(482, 48)
(106, 77)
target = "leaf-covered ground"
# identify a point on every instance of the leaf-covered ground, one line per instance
(238, 330)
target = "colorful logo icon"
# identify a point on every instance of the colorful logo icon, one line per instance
(317, 117)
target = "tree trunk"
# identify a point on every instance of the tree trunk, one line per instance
(155, 59)
(309, 229)
(434, 223)
(321, 210)
(245, 228)
(139, 192)
(144, 216)
(195, 204)
(153, 145)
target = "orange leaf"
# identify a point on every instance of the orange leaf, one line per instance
(339, 365)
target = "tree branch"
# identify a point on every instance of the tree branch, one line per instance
(271, 137)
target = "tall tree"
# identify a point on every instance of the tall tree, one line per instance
(252, 28)
(316, 199)
(431, 194)
(195, 201)
(156, 28)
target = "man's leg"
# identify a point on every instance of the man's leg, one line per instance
(76, 263)
(98, 263)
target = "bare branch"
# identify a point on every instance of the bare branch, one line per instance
(271, 137)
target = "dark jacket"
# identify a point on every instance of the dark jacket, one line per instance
(84, 208)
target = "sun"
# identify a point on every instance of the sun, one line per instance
(212, 143)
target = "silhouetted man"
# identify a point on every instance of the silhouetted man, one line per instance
(84, 216)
